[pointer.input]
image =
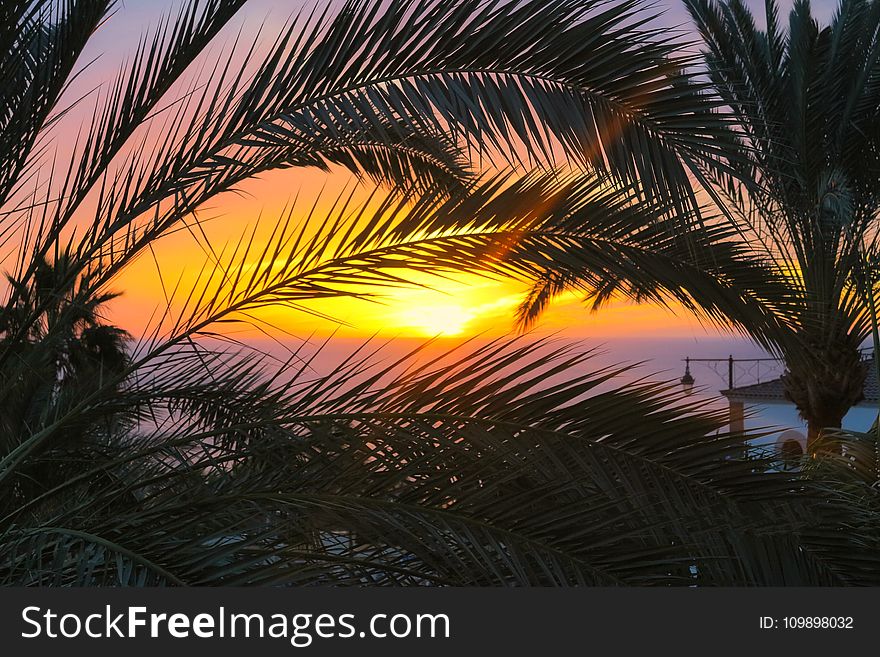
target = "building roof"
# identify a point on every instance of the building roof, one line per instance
(775, 391)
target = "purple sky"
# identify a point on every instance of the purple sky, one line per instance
(133, 15)
(118, 36)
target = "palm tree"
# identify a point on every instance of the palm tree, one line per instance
(801, 193)
(62, 352)
(806, 104)
(189, 458)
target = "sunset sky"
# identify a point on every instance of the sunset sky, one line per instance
(453, 308)
(466, 307)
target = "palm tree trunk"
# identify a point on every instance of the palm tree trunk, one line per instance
(824, 383)
(815, 427)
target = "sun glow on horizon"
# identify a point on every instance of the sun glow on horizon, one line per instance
(433, 313)
(448, 320)
(461, 306)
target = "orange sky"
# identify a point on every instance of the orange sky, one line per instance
(471, 305)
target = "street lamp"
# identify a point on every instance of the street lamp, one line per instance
(687, 381)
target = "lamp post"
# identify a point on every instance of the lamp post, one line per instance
(687, 381)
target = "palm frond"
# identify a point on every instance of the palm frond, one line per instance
(468, 471)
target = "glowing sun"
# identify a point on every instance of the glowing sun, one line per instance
(429, 320)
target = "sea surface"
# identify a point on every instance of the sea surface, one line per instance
(659, 359)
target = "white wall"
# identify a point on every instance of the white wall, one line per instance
(777, 418)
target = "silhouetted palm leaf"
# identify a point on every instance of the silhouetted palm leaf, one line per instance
(798, 189)
(466, 471)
